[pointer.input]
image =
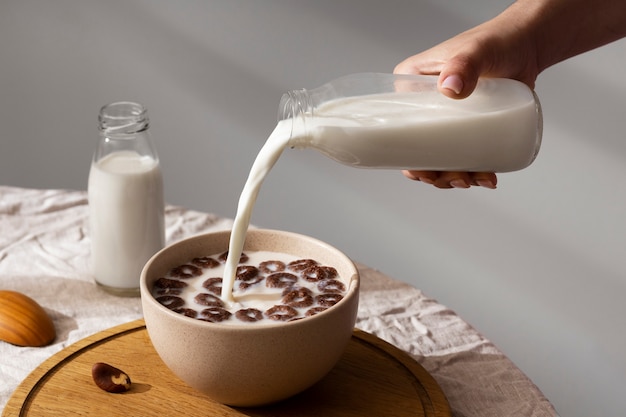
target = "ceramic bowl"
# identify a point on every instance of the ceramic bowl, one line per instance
(258, 364)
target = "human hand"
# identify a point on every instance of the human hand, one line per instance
(497, 48)
(526, 38)
(453, 179)
(493, 49)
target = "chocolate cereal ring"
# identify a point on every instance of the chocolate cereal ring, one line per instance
(169, 283)
(215, 314)
(330, 272)
(244, 285)
(301, 264)
(189, 312)
(328, 300)
(331, 286)
(281, 313)
(313, 311)
(186, 271)
(298, 298)
(249, 314)
(205, 262)
(210, 300)
(242, 259)
(171, 301)
(213, 285)
(280, 280)
(314, 273)
(246, 272)
(270, 267)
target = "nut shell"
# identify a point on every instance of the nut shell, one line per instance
(23, 322)
(110, 378)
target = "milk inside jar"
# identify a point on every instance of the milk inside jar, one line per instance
(397, 122)
(126, 202)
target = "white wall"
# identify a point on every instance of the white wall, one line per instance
(538, 265)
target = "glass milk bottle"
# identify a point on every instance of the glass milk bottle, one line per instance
(403, 122)
(126, 201)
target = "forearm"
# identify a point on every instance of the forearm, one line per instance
(561, 29)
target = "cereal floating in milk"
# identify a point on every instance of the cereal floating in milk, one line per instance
(269, 286)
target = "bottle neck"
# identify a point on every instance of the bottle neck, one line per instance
(124, 126)
(295, 107)
(294, 103)
(123, 118)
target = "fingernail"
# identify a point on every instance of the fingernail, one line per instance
(486, 184)
(426, 180)
(459, 183)
(454, 83)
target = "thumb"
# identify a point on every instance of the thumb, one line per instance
(458, 78)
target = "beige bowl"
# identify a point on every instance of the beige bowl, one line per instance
(257, 364)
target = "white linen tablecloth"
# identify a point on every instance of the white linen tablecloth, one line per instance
(45, 254)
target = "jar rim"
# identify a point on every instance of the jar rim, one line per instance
(123, 117)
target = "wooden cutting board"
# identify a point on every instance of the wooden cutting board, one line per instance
(373, 378)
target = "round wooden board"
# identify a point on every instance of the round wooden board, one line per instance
(373, 378)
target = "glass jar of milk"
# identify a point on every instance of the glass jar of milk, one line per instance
(126, 203)
(403, 122)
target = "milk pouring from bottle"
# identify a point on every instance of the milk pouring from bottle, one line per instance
(403, 122)
(397, 122)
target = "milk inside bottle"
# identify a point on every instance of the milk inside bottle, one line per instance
(404, 122)
(126, 202)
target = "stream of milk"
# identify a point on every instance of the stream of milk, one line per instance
(265, 160)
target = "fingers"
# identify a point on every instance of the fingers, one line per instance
(459, 62)
(453, 179)
(456, 78)
(457, 86)
(425, 63)
(485, 179)
(459, 77)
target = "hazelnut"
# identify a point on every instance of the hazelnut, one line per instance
(109, 378)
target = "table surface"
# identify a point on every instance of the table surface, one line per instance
(45, 254)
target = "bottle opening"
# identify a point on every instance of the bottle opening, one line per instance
(294, 103)
(123, 117)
